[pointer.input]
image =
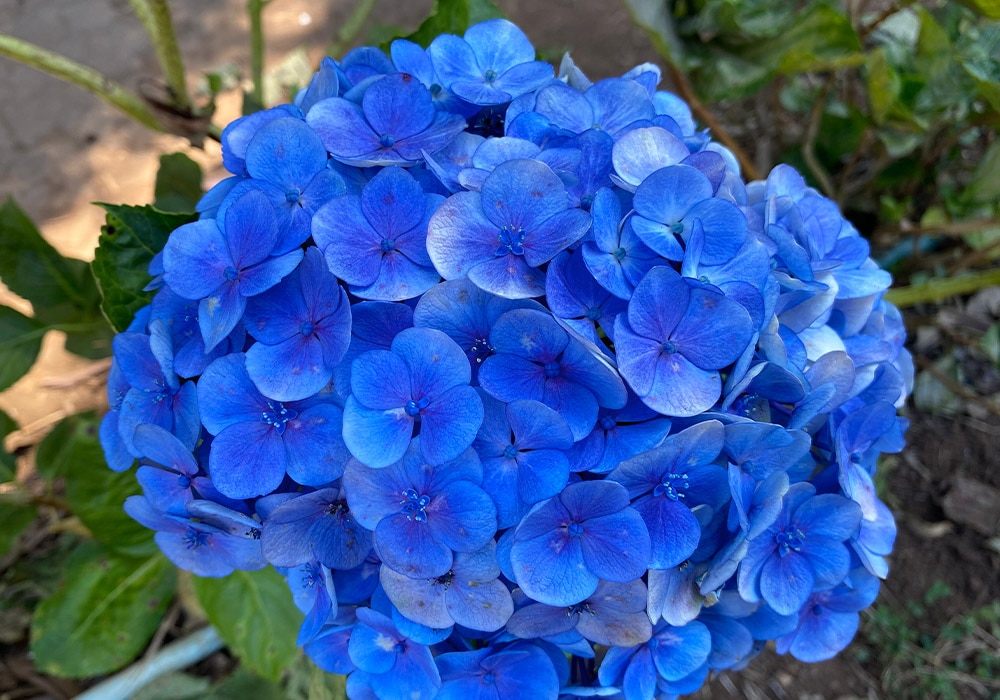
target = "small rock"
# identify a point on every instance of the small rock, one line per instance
(973, 504)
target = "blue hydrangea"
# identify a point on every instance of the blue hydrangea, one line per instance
(520, 386)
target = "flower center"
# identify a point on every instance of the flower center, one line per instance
(415, 505)
(307, 328)
(435, 90)
(413, 407)
(677, 227)
(480, 350)
(511, 241)
(277, 416)
(386, 141)
(608, 422)
(196, 538)
(574, 529)
(388, 245)
(489, 677)
(293, 195)
(620, 254)
(580, 609)
(790, 539)
(673, 486)
(552, 369)
(490, 76)
(669, 347)
(231, 273)
(184, 481)
(594, 313)
(510, 452)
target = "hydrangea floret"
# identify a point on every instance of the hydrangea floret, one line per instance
(508, 371)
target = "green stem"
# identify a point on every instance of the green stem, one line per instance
(78, 74)
(941, 288)
(255, 9)
(155, 17)
(351, 28)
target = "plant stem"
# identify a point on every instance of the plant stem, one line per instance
(809, 144)
(155, 17)
(708, 119)
(173, 657)
(941, 288)
(69, 70)
(351, 27)
(255, 8)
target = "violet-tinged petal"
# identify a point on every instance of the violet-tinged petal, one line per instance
(409, 547)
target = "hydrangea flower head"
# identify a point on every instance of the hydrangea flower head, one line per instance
(521, 387)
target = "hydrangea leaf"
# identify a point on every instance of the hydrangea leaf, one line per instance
(103, 613)
(20, 342)
(61, 289)
(95, 493)
(256, 617)
(178, 184)
(7, 463)
(453, 17)
(129, 240)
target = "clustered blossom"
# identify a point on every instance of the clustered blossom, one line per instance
(508, 371)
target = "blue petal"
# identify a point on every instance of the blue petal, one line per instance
(616, 547)
(376, 437)
(550, 569)
(289, 371)
(673, 530)
(247, 460)
(409, 547)
(287, 153)
(786, 582)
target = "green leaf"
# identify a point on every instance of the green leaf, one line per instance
(129, 240)
(820, 38)
(178, 184)
(8, 465)
(242, 685)
(95, 493)
(987, 8)
(20, 341)
(883, 85)
(103, 613)
(453, 17)
(60, 289)
(174, 686)
(255, 615)
(933, 51)
(655, 18)
(985, 184)
(14, 518)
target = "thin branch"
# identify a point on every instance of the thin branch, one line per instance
(155, 18)
(255, 9)
(939, 288)
(809, 144)
(173, 657)
(879, 18)
(954, 387)
(951, 229)
(69, 70)
(708, 119)
(975, 257)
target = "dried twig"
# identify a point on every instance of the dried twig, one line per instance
(708, 119)
(809, 143)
